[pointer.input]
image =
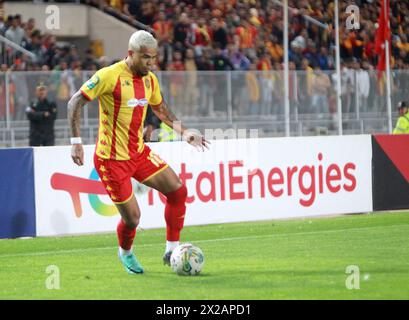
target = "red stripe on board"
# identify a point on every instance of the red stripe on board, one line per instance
(117, 104)
(396, 148)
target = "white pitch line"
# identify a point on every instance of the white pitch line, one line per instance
(58, 252)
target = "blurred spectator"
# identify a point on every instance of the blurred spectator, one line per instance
(191, 94)
(266, 82)
(219, 33)
(146, 12)
(132, 8)
(103, 62)
(204, 62)
(253, 91)
(295, 54)
(177, 80)
(89, 60)
(300, 41)
(311, 54)
(181, 30)
(323, 60)
(206, 88)
(166, 133)
(402, 125)
(7, 24)
(49, 43)
(116, 4)
(236, 57)
(21, 94)
(164, 34)
(200, 36)
(293, 87)
(220, 62)
(34, 45)
(29, 27)
(42, 114)
(320, 89)
(305, 88)
(347, 87)
(247, 33)
(362, 78)
(177, 63)
(275, 49)
(72, 56)
(58, 54)
(15, 33)
(62, 86)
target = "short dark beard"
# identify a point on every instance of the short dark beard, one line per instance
(137, 72)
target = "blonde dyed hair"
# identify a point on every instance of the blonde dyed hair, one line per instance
(141, 39)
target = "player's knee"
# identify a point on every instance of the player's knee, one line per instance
(132, 222)
(178, 196)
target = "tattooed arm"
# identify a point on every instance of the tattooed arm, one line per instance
(166, 115)
(75, 105)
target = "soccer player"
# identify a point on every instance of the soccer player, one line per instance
(124, 90)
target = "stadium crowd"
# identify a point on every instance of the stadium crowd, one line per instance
(246, 32)
(245, 35)
(252, 32)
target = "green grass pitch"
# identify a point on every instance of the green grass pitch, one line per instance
(281, 259)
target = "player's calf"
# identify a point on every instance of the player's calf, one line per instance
(175, 210)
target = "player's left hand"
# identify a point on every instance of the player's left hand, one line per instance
(196, 139)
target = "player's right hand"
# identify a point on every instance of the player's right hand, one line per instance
(77, 154)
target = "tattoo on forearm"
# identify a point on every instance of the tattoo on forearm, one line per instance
(168, 115)
(74, 113)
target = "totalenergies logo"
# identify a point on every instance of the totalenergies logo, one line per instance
(232, 180)
(76, 185)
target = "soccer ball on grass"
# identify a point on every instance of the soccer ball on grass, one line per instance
(187, 260)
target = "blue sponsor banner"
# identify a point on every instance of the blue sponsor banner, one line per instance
(17, 197)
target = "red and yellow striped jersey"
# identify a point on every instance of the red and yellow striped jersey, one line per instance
(123, 102)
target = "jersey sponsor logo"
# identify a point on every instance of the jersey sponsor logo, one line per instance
(91, 83)
(137, 102)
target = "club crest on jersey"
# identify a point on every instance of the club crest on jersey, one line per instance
(91, 83)
(147, 83)
(137, 102)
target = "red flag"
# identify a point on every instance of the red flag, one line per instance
(383, 33)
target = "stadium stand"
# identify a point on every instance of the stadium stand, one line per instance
(198, 38)
(251, 27)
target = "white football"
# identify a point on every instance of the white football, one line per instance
(187, 260)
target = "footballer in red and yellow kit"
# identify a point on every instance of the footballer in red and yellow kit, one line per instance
(125, 89)
(120, 152)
